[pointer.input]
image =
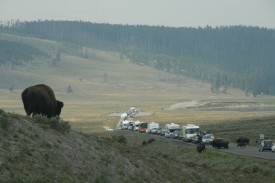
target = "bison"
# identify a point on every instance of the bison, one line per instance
(242, 140)
(150, 140)
(144, 142)
(40, 99)
(200, 147)
(241, 144)
(218, 143)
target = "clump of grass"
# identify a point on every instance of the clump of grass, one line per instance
(4, 122)
(54, 123)
(120, 139)
(251, 168)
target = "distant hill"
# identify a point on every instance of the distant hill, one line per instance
(233, 56)
(35, 150)
(16, 52)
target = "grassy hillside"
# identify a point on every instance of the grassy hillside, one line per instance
(32, 150)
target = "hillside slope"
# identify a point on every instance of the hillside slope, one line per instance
(230, 56)
(102, 83)
(32, 151)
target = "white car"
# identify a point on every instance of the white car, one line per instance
(273, 148)
(109, 129)
(207, 138)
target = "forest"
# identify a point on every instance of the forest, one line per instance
(15, 53)
(230, 56)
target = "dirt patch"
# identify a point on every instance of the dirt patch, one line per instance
(184, 105)
(138, 114)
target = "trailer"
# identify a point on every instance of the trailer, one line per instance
(189, 132)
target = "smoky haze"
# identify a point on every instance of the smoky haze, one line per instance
(176, 13)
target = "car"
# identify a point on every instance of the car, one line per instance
(207, 138)
(265, 145)
(178, 134)
(154, 130)
(159, 131)
(109, 129)
(163, 131)
(168, 134)
(273, 148)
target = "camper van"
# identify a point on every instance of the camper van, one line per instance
(151, 126)
(189, 131)
(170, 129)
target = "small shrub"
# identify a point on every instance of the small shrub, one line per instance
(251, 168)
(54, 123)
(63, 126)
(3, 113)
(4, 122)
(120, 139)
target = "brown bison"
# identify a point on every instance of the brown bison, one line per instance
(40, 99)
(200, 147)
(243, 140)
(150, 140)
(241, 145)
(218, 143)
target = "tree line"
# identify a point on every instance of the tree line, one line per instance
(229, 56)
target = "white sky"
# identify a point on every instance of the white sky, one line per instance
(175, 13)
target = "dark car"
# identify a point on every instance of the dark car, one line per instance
(265, 145)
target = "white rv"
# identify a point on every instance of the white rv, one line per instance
(124, 124)
(151, 126)
(189, 131)
(124, 116)
(170, 128)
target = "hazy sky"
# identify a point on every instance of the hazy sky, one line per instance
(176, 13)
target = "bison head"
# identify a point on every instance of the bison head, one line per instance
(59, 105)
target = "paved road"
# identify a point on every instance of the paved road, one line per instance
(247, 151)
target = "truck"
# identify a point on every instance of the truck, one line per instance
(189, 132)
(170, 128)
(151, 126)
(142, 127)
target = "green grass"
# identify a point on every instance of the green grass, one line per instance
(32, 153)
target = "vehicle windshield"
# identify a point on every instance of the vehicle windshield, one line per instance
(207, 136)
(143, 125)
(267, 143)
(192, 131)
